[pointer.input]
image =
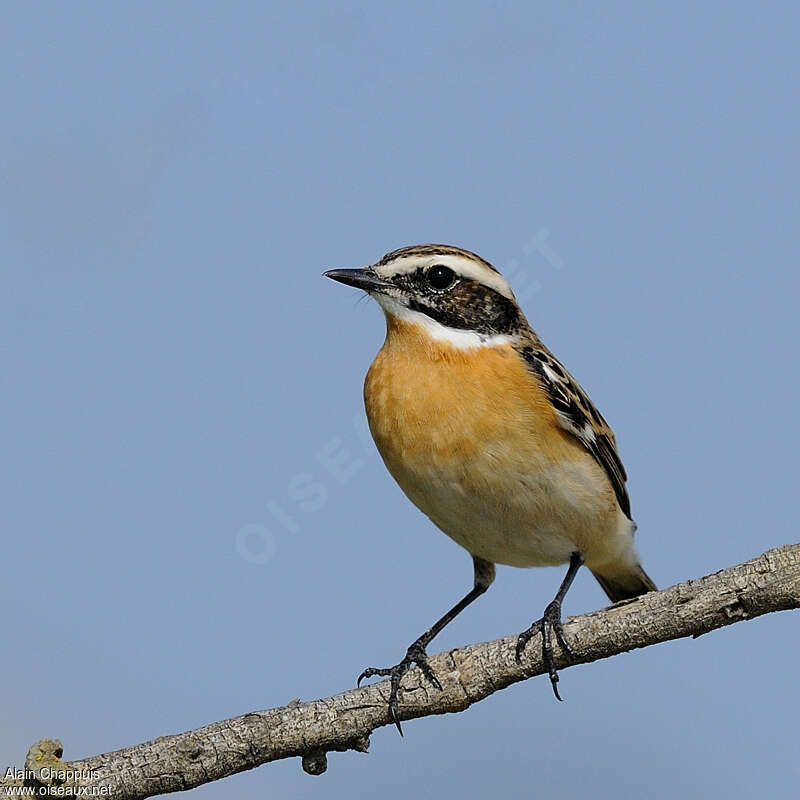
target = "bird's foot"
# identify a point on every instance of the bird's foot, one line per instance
(415, 655)
(548, 625)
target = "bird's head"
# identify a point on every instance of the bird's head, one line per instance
(452, 293)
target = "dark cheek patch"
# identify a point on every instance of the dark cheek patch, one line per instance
(469, 306)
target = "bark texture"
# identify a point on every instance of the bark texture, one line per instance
(310, 730)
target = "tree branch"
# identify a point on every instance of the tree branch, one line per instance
(768, 583)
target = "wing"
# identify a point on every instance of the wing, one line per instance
(577, 415)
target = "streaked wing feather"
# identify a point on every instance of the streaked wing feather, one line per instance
(577, 415)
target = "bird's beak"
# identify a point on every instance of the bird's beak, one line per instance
(365, 279)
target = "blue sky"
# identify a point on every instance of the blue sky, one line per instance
(194, 523)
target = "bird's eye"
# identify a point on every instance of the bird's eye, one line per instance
(441, 278)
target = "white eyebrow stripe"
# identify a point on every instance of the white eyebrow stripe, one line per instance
(465, 267)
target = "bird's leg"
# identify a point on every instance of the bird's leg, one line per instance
(416, 654)
(550, 624)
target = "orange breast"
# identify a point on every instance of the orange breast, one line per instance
(428, 401)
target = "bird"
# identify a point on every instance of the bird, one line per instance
(490, 436)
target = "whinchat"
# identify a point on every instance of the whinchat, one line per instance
(489, 435)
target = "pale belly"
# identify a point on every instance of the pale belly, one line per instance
(534, 516)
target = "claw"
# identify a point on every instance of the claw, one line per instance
(415, 655)
(429, 674)
(558, 629)
(370, 672)
(393, 709)
(549, 625)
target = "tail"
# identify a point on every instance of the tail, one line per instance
(624, 584)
